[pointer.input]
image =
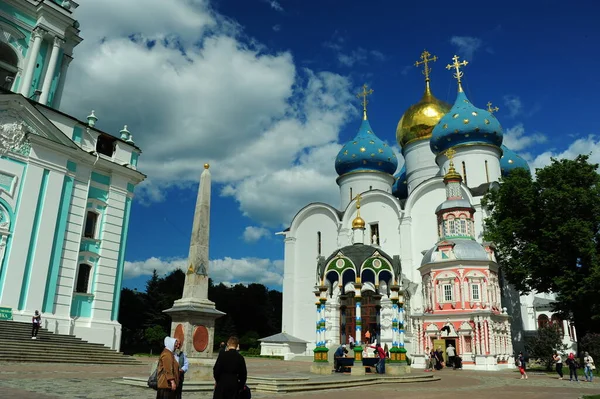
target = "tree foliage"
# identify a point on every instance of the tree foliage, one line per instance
(547, 234)
(543, 345)
(252, 312)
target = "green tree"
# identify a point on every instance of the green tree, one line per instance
(547, 234)
(155, 336)
(543, 345)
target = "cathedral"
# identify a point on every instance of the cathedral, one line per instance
(66, 187)
(401, 259)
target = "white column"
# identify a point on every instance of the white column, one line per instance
(32, 54)
(63, 78)
(566, 331)
(51, 70)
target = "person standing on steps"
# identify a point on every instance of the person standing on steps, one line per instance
(451, 354)
(36, 322)
(168, 371)
(558, 360)
(183, 364)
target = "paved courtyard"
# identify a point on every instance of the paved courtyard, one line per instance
(51, 381)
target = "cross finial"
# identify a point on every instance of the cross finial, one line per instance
(450, 154)
(492, 109)
(358, 198)
(458, 74)
(364, 93)
(425, 60)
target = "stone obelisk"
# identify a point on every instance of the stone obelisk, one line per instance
(193, 316)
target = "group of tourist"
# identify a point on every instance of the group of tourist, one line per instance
(435, 359)
(573, 364)
(342, 352)
(229, 371)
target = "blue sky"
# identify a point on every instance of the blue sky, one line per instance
(264, 91)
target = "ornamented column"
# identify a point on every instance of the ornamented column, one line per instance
(395, 353)
(51, 70)
(358, 339)
(320, 351)
(401, 327)
(37, 34)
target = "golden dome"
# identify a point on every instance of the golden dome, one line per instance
(358, 223)
(418, 121)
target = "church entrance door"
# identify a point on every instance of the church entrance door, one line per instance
(369, 305)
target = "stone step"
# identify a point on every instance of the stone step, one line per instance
(16, 345)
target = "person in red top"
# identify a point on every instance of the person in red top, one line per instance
(380, 367)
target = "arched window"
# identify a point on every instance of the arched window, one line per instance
(351, 197)
(487, 172)
(464, 168)
(557, 323)
(91, 223)
(543, 321)
(9, 63)
(319, 243)
(83, 278)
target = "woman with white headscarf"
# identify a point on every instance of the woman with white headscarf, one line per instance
(168, 371)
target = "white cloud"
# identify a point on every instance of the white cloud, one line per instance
(255, 233)
(277, 27)
(193, 89)
(355, 56)
(514, 105)
(466, 45)
(587, 145)
(516, 140)
(226, 270)
(275, 5)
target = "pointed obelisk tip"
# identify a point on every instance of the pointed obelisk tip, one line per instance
(206, 166)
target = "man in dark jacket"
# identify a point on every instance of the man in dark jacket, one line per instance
(230, 372)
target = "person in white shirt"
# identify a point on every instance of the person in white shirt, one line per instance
(36, 322)
(558, 360)
(183, 365)
(451, 353)
(588, 367)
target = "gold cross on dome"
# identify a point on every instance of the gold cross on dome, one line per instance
(456, 65)
(425, 61)
(450, 153)
(490, 109)
(358, 198)
(364, 101)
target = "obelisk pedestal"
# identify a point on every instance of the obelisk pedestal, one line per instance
(193, 316)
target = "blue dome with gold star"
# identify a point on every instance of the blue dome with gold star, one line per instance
(366, 152)
(465, 124)
(400, 187)
(511, 161)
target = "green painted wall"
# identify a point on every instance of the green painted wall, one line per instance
(121, 263)
(77, 134)
(13, 215)
(13, 12)
(57, 248)
(81, 305)
(33, 240)
(100, 178)
(98, 193)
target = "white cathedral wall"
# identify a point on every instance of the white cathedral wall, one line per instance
(356, 183)
(472, 159)
(381, 209)
(299, 310)
(420, 163)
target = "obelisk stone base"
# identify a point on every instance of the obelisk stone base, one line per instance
(200, 370)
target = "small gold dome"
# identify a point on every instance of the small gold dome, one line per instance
(418, 121)
(358, 223)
